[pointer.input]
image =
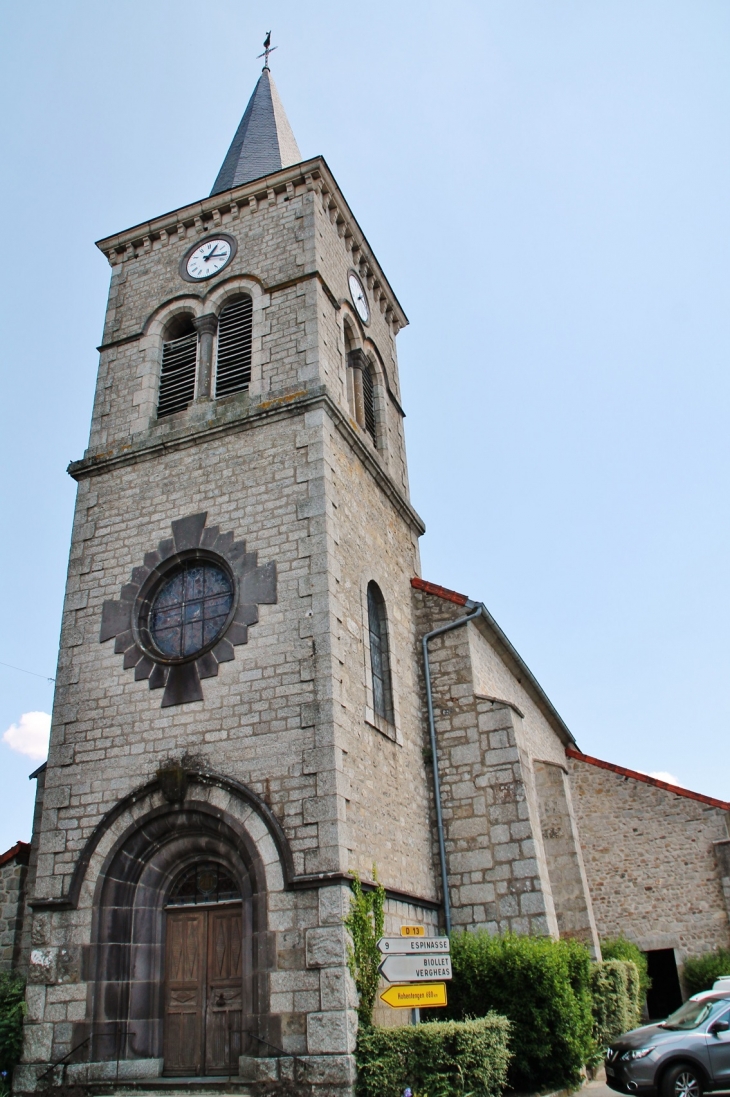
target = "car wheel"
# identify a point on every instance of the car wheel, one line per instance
(682, 1080)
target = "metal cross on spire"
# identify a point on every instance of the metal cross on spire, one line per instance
(268, 48)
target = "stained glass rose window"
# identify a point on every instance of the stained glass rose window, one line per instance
(190, 609)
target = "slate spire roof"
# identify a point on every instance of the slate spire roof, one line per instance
(264, 142)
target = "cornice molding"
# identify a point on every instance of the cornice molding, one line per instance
(296, 403)
(209, 214)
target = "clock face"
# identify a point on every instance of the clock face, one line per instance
(359, 299)
(209, 258)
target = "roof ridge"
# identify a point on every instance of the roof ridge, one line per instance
(20, 847)
(440, 592)
(624, 771)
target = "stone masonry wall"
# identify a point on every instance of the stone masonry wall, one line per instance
(13, 875)
(563, 855)
(496, 879)
(387, 801)
(283, 467)
(651, 861)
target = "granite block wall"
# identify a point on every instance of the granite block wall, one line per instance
(651, 858)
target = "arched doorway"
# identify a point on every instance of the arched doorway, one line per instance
(180, 943)
(203, 972)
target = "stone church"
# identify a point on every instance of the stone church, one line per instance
(258, 695)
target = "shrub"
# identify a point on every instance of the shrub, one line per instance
(619, 948)
(700, 972)
(12, 1011)
(616, 1002)
(543, 987)
(442, 1059)
(365, 922)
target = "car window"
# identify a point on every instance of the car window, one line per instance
(690, 1015)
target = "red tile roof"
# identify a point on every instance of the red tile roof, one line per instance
(440, 592)
(21, 850)
(623, 772)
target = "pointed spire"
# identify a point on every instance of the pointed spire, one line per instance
(264, 142)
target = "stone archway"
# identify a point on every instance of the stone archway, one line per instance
(130, 924)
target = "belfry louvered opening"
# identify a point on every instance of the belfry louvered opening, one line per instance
(368, 401)
(177, 377)
(233, 367)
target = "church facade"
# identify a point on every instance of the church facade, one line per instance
(258, 695)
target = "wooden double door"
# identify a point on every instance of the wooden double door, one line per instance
(203, 990)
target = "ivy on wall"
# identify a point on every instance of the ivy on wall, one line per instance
(365, 921)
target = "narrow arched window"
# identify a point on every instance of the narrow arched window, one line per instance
(379, 654)
(233, 367)
(179, 357)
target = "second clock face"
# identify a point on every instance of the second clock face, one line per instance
(359, 299)
(208, 259)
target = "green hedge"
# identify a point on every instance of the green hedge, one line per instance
(12, 1011)
(543, 987)
(441, 1059)
(700, 972)
(619, 948)
(615, 990)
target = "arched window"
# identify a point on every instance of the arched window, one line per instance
(233, 368)
(204, 882)
(179, 357)
(379, 654)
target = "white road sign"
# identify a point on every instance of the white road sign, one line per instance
(416, 969)
(409, 945)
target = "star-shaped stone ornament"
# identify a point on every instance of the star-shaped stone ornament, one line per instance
(141, 621)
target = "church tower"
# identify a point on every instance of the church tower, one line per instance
(236, 727)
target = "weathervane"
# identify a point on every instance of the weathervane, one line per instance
(268, 48)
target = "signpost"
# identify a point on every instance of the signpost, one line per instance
(417, 969)
(413, 956)
(415, 997)
(400, 945)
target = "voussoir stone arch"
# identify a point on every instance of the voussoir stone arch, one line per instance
(138, 855)
(353, 323)
(252, 816)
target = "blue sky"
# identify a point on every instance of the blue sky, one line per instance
(546, 186)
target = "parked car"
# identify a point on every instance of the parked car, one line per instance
(723, 983)
(684, 1056)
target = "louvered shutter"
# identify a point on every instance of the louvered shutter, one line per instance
(177, 378)
(368, 399)
(233, 368)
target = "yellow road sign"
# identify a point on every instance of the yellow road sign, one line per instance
(414, 996)
(412, 931)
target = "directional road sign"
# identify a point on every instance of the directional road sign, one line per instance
(415, 997)
(418, 969)
(414, 944)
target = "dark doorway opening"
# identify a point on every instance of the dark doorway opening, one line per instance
(665, 994)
